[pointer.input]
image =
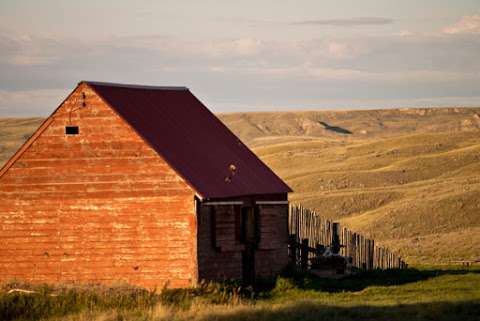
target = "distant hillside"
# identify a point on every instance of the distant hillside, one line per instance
(410, 178)
(14, 132)
(265, 127)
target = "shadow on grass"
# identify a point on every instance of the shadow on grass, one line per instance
(336, 129)
(50, 301)
(308, 310)
(363, 280)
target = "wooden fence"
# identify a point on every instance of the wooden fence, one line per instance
(310, 231)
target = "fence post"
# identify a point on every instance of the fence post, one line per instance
(335, 238)
(371, 252)
(304, 254)
(307, 229)
(292, 246)
(319, 249)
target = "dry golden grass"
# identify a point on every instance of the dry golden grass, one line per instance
(13, 132)
(410, 178)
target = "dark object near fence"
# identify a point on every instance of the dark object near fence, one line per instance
(337, 263)
(335, 248)
(319, 259)
(310, 235)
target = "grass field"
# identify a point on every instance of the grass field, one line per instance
(410, 178)
(425, 294)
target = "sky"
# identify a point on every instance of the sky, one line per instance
(245, 55)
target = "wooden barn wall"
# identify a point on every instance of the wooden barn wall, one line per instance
(98, 207)
(220, 250)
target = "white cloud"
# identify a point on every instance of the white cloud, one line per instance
(348, 103)
(240, 47)
(347, 22)
(466, 25)
(30, 102)
(243, 69)
(223, 48)
(25, 50)
(312, 72)
(181, 48)
(404, 33)
(340, 50)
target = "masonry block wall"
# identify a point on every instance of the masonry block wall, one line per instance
(272, 254)
(220, 248)
(97, 207)
(219, 251)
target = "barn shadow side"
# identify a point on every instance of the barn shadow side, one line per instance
(310, 310)
(363, 280)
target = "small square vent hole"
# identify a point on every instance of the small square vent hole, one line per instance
(71, 130)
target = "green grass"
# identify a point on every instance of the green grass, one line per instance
(44, 301)
(47, 301)
(413, 294)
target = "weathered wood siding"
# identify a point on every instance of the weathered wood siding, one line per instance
(100, 206)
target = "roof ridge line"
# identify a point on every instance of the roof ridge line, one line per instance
(134, 86)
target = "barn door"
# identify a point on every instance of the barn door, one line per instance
(249, 234)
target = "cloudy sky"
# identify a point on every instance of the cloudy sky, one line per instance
(245, 55)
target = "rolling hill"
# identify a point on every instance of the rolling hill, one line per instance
(410, 178)
(14, 132)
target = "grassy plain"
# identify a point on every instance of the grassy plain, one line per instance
(426, 294)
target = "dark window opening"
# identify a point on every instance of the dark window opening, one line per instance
(249, 225)
(213, 228)
(71, 130)
(239, 225)
(258, 233)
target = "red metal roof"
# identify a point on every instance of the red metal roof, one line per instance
(192, 140)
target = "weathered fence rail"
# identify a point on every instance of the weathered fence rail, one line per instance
(310, 231)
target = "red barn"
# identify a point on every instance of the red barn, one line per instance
(138, 184)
